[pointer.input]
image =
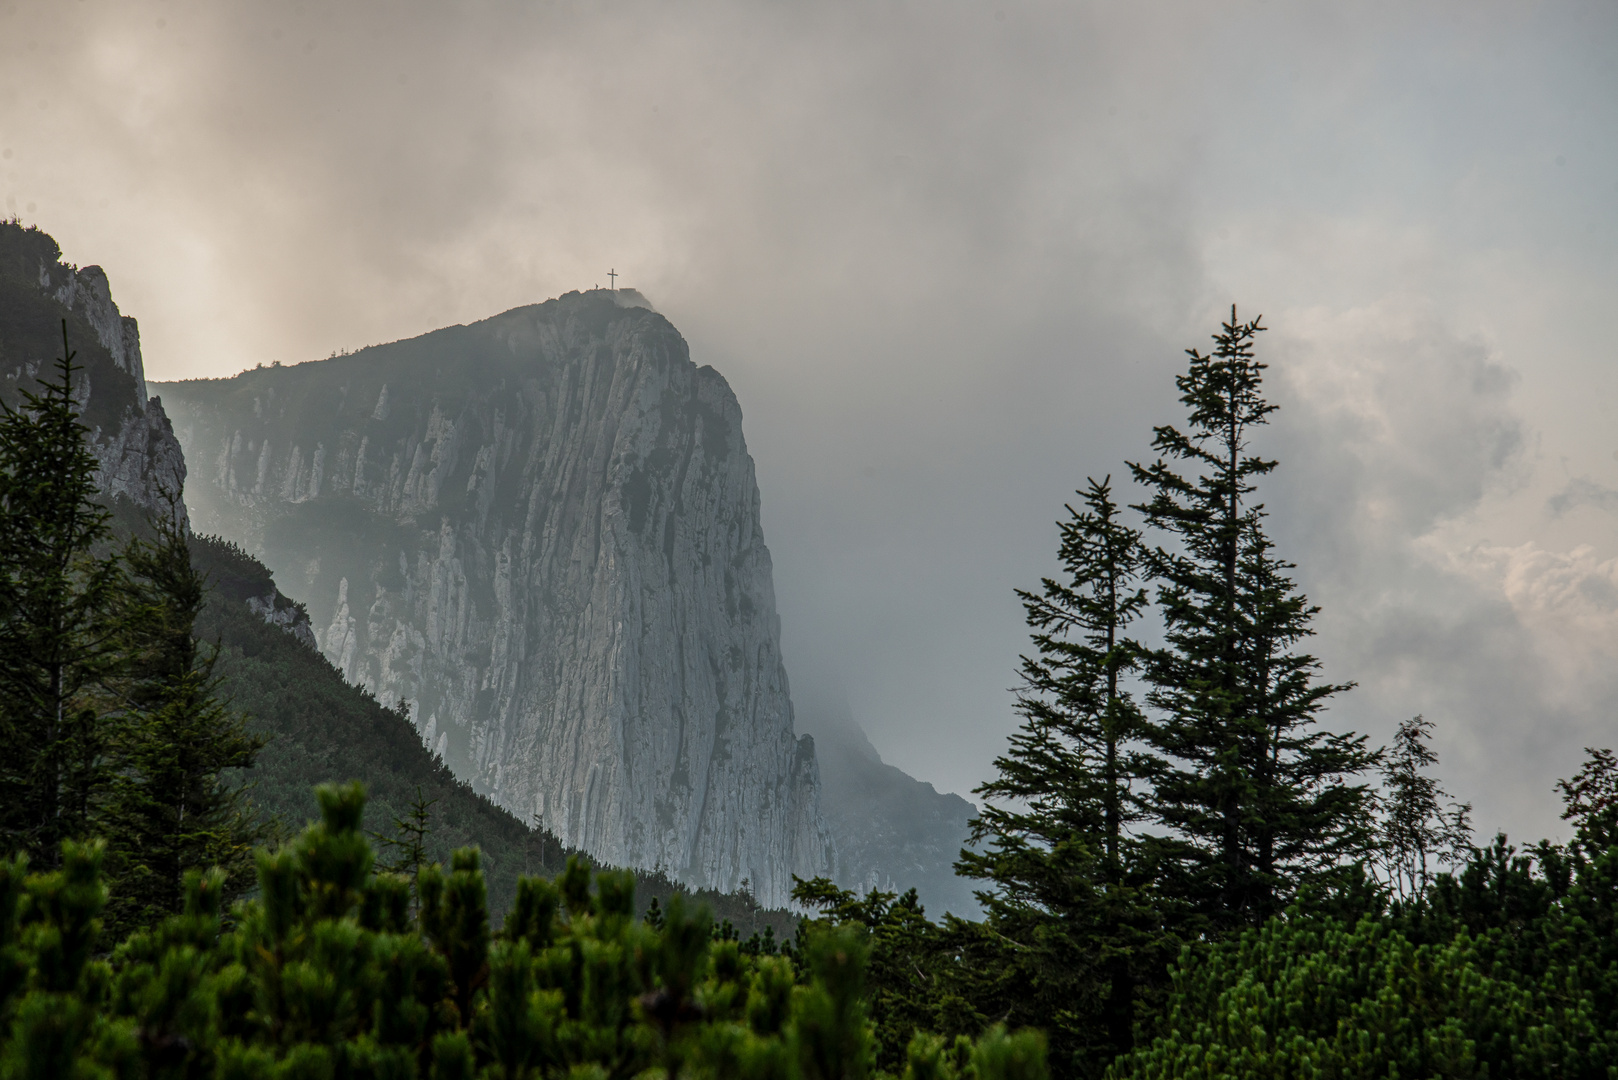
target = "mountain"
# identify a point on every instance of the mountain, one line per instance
(885, 829)
(889, 830)
(319, 727)
(322, 728)
(132, 440)
(539, 533)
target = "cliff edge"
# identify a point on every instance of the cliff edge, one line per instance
(140, 462)
(540, 531)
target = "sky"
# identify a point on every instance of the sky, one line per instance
(949, 255)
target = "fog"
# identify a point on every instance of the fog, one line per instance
(949, 255)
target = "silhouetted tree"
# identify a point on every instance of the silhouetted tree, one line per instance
(61, 639)
(1421, 827)
(173, 806)
(405, 852)
(1068, 879)
(1258, 798)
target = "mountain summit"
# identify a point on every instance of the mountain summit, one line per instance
(140, 464)
(541, 531)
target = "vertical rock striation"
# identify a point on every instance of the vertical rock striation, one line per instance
(542, 531)
(140, 459)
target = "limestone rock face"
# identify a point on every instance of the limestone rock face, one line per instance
(279, 610)
(542, 532)
(133, 442)
(88, 292)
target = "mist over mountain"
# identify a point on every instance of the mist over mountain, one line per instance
(541, 532)
(892, 831)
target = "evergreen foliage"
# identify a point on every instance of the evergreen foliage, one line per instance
(327, 974)
(173, 804)
(1257, 799)
(60, 634)
(409, 844)
(1070, 883)
(1306, 998)
(1505, 968)
(1116, 830)
(909, 989)
(109, 706)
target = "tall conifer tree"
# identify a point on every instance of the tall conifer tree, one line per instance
(1067, 877)
(1258, 798)
(172, 807)
(60, 641)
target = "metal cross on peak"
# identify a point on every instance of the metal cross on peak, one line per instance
(612, 276)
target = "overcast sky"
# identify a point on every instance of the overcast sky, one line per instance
(948, 255)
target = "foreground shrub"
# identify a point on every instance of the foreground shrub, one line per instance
(335, 971)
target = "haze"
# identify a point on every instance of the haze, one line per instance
(948, 254)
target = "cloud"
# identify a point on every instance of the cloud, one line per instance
(1581, 491)
(1396, 432)
(1569, 599)
(1413, 421)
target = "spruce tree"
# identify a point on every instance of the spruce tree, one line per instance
(405, 852)
(1067, 875)
(1258, 798)
(60, 637)
(173, 806)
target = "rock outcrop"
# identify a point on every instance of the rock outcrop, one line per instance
(542, 532)
(280, 610)
(140, 460)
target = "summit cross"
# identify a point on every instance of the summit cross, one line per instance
(612, 276)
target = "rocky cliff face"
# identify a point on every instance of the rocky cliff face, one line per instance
(139, 457)
(542, 532)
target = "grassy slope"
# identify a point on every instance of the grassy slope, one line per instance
(323, 729)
